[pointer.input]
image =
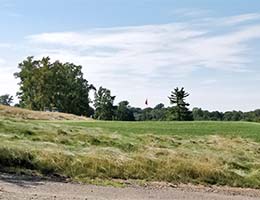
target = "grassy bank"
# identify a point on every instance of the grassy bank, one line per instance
(187, 152)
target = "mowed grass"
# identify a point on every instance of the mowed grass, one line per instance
(185, 129)
(221, 153)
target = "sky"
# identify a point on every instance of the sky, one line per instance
(142, 48)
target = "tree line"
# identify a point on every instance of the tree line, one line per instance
(57, 86)
(162, 113)
(205, 115)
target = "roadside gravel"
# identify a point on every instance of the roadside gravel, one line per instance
(25, 188)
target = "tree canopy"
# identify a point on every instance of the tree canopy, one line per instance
(124, 112)
(53, 86)
(104, 104)
(6, 99)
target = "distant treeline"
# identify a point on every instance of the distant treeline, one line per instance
(161, 113)
(252, 116)
(61, 87)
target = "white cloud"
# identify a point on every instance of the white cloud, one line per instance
(5, 45)
(241, 18)
(2, 61)
(208, 82)
(151, 56)
(141, 61)
(141, 50)
(179, 48)
(186, 12)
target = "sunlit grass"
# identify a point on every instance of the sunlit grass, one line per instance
(178, 152)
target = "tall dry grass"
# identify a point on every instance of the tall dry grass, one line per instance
(88, 152)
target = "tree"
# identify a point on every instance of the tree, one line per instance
(103, 102)
(159, 112)
(53, 86)
(198, 114)
(124, 112)
(137, 112)
(6, 100)
(180, 109)
(147, 114)
(234, 116)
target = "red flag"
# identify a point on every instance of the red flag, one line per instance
(146, 102)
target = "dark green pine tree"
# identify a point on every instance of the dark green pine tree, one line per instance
(180, 109)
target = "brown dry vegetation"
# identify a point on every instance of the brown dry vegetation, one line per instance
(18, 113)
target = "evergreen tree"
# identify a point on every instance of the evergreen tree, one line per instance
(180, 109)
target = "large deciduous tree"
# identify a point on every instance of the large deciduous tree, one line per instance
(180, 109)
(159, 112)
(104, 104)
(124, 112)
(46, 85)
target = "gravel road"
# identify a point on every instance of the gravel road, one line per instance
(24, 188)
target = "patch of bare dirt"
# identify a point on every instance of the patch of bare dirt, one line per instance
(23, 188)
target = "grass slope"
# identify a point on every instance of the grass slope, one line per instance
(187, 152)
(18, 113)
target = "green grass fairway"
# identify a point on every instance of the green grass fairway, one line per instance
(185, 129)
(222, 153)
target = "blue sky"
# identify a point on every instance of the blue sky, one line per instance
(142, 48)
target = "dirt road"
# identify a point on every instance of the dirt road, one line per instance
(24, 188)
